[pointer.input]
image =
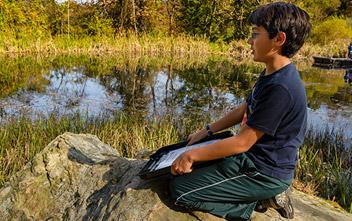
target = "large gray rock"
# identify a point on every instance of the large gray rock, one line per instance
(77, 177)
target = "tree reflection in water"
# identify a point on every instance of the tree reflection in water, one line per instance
(146, 87)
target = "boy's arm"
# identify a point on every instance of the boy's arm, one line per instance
(234, 145)
(230, 119)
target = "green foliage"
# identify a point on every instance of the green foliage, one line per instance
(331, 30)
(76, 20)
(85, 21)
(318, 10)
(345, 8)
(23, 19)
(198, 16)
(242, 9)
(216, 20)
(136, 16)
(28, 23)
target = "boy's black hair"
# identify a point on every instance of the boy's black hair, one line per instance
(284, 17)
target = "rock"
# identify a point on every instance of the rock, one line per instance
(77, 177)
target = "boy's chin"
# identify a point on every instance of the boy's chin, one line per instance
(256, 59)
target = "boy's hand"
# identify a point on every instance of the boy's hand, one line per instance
(182, 164)
(196, 136)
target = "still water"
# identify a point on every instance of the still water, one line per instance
(157, 87)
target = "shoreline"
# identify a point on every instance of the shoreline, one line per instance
(157, 46)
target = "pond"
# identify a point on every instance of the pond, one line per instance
(199, 87)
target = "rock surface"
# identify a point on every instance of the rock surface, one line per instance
(77, 177)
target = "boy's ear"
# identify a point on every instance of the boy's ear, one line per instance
(280, 38)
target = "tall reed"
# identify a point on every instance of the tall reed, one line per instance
(22, 138)
(325, 166)
(324, 162)
(142, 44)
(151, 45)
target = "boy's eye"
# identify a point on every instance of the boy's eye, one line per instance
(254, 34)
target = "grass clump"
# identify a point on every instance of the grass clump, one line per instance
(324, 166)
(22, 138)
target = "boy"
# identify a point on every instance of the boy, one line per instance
(258, 163)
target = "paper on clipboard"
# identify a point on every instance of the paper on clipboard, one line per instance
(167, 159)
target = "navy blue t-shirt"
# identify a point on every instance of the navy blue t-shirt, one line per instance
(277, 106)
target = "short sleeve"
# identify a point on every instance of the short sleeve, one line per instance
(271, 105)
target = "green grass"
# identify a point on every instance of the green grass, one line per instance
(21, 139)
(325, 166)
(324, 163)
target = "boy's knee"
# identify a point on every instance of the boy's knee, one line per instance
(174, 189)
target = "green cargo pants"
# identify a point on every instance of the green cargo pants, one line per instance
(228, 188)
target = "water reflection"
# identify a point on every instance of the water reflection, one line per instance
(204, 90)
(66, 93)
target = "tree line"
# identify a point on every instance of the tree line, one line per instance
(216, 20)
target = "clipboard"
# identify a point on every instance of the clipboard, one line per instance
(160, 162)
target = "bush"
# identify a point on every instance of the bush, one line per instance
(330, 30)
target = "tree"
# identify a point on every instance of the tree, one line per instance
(218, 20)
(345, 8)
(319, 10)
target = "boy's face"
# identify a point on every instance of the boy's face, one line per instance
(263, 48)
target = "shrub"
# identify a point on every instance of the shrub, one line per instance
(330, 30)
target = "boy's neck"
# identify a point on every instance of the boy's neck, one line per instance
(276, 63)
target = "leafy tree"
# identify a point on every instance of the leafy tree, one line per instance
(198, 16)
(25, 21)
(242, 9)
(217, 20)
(319, 10)
(345, 8)
(85, 20)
